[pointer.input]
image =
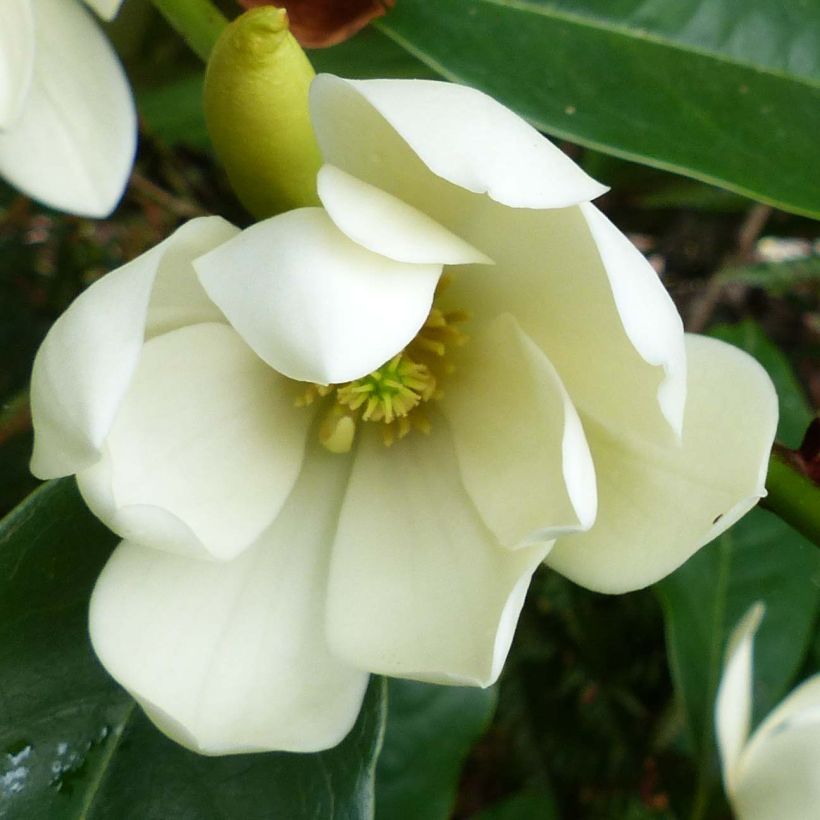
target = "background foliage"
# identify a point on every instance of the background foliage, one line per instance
(604, 710)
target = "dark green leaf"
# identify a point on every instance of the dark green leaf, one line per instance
(73, 745)
(770, 35)
(430, 730)
(645, 81)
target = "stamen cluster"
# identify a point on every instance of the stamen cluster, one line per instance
(394, 393)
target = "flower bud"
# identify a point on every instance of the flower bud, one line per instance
(256, 109)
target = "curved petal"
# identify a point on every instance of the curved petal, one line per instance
(372, 128)
(231, 657)
(16, 58)
(733, 707)
(659, 504)
(86, 362)
(204, 450)
(777, 775)
(590, 300)
(575, 283)
(386, 225)
(418, 586)
(107, 9)
(178, 299)
(314, 305)
(73, 145)
(520, 445)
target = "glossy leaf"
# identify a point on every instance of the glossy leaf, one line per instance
(430, 730)
(642, 80)
(779, 36)
(74, 745)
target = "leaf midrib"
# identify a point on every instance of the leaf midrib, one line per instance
(87, 806)
(644, 35)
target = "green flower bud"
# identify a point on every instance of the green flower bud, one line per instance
(256, 109)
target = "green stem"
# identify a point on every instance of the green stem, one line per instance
(793, 497)
(199, 22)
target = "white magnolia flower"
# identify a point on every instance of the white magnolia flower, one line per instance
(775, 773)
(67, 120)
(263, 577)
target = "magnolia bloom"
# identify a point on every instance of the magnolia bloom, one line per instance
(326, 457)
(67, 120)
(775, 773)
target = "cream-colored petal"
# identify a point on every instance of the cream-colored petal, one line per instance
(232, 657)
(589, 299)
(86, 362)
(107, 9)
(419, 588)
(204, 450)
(313, 304)
(17, 46)
(574, 282)
(73, 145)
(178, 299)
(658, 504)
(386, 225)
(520, 445)
(778, 774)
(733, 707)
(373, 128)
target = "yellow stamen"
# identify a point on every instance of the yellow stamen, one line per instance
(394, 393)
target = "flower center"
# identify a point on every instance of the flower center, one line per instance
(394, 394)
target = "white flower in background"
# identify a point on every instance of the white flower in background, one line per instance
(538, 406)
(67, 120)
(775, 773)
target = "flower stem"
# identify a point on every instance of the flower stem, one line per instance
(199, 22)
(793, 497)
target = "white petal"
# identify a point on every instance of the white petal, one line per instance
(178, 299)
(204, 450)
(312, 303)
(520, 445)
(16, 58)
(778, 775)
(231, 657)
(649, 317)
(419, 588)
(74, 144)
(107, 9)
(589, 299)
(370, 128)
(386, 225)
(85, 364)
(733, 707)
(658, 504)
